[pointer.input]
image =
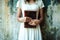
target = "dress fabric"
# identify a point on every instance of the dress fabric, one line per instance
(29, 33)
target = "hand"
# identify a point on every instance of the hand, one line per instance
(28, 19)
(25, 19)
(36, 21)
(32, 23)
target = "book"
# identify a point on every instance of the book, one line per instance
(31, 14)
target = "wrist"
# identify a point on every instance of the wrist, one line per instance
(22, 19)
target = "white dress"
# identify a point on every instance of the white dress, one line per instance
(29, 33)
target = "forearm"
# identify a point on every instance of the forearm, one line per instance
(22, 19)
(18, 12)
(40, 20)
(41, 15)
(19, 18)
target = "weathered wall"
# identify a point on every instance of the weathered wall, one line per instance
(9, 26)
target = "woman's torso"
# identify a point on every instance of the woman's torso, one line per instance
(29, 7)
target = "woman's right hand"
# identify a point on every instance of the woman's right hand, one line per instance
(25, 19)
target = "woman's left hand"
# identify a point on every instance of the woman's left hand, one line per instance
(36, 21)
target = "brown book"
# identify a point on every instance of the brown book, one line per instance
(31, 14)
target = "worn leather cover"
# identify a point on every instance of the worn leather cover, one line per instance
(31, 14)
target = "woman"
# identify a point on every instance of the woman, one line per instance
(29, 33)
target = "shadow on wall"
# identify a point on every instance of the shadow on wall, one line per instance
(58, 1)
(44, 27)
(50, 33)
